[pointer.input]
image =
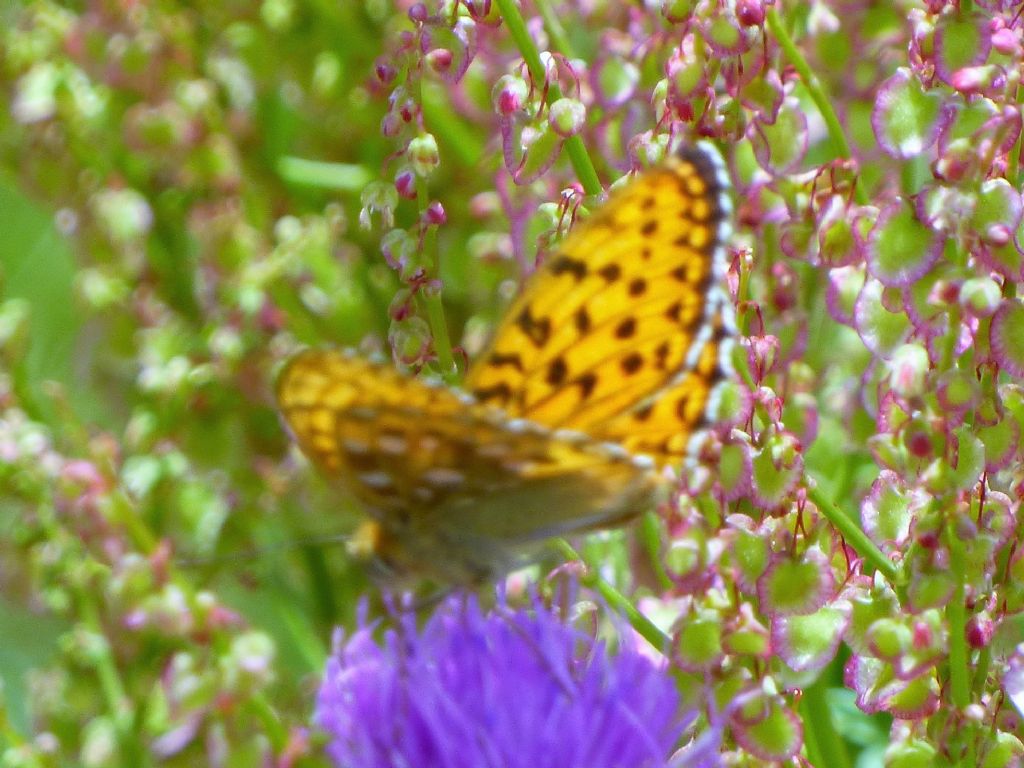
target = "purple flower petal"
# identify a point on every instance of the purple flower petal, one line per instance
(515, 688)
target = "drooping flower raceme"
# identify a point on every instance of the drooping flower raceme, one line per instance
(508, 688)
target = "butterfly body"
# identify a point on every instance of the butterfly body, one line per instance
(593, 383)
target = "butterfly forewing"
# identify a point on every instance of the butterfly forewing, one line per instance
(621, 313)
(362, 425)
(454, 484)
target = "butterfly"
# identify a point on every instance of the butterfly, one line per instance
(593, 383)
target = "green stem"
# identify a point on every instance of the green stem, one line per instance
(981, 670)
(574, 147)
(650, 535)
(825, 748)
(114, 694)
(442, 344)
(619, 602)
(272, 726)
(10, 738)
(25, 392)
(743, 293)
(554, 28)
(125, 513)
(302, 638)
(835, 130)
(432, 299)
(113, 691)
(956, 618)
(854, 536)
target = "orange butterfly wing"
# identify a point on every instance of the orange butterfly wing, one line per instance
(619, 334)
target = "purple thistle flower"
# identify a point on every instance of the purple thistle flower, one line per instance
(507, 688)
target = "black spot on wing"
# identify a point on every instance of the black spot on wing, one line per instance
(661, 355)
(582, 320)
(568, 265)
(586, 383)
(632, 363)
(557, 371)
(512, 359)
(643, 413)
(500, 391)
(537, 330)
